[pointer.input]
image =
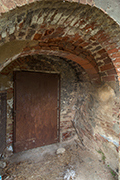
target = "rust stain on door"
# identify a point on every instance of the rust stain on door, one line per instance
(36, 121)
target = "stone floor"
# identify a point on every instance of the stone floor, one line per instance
(43, 163)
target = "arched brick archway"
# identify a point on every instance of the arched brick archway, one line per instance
(84, 32)
(77, 32)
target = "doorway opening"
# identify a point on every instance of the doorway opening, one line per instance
(36, 109)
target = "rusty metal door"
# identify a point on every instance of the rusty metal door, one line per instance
(3, 119)
(36, 109)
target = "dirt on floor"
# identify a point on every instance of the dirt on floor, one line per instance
(43, 163)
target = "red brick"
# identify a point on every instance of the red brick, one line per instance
(116, 60)
(109, 46)
(106, 67)
(57, 33)
(98, 34)
(111, 72)
(77, 59)
(45, 48)
(112, 51)
(88, 66)
(37, 36)
(119, 81)
(26, 49)
(84, 44)
(118, 70)
(36, 47)
(107, 60)
(80, 22)
(79, 41)
(90, 69)
(21, 25)
(103, 56)
(77, 50)
(102, 51)
(76, 37)
(66, 135)
(103, 38)
(117, 64)
(9, 4)
(115, 55)
(109, 78)
(48, 32)
(10, 90)
(118, 74)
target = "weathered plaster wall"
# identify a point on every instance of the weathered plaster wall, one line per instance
(98, 127)
(112, 8)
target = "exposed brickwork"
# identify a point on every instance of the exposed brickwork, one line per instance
(97, 47)
(71, 74)
(75, 35)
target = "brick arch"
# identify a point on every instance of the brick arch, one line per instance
(88, 66)
(82, 31)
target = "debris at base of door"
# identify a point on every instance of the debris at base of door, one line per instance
(60, 151)
(70, 174)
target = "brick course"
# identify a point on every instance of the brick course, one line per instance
(85, 37)
(88, 42)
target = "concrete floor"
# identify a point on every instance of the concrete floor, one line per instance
(43, 163)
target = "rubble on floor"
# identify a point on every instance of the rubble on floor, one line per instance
(62, 161)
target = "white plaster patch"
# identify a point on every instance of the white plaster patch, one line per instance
(12, 29)
(34, 19)
(4, 34)
(10, 84)
(56, 18)
(10, 148)
(70, 174)
(60, 151)
(110, 139)
(94, 31)
(10, 102)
